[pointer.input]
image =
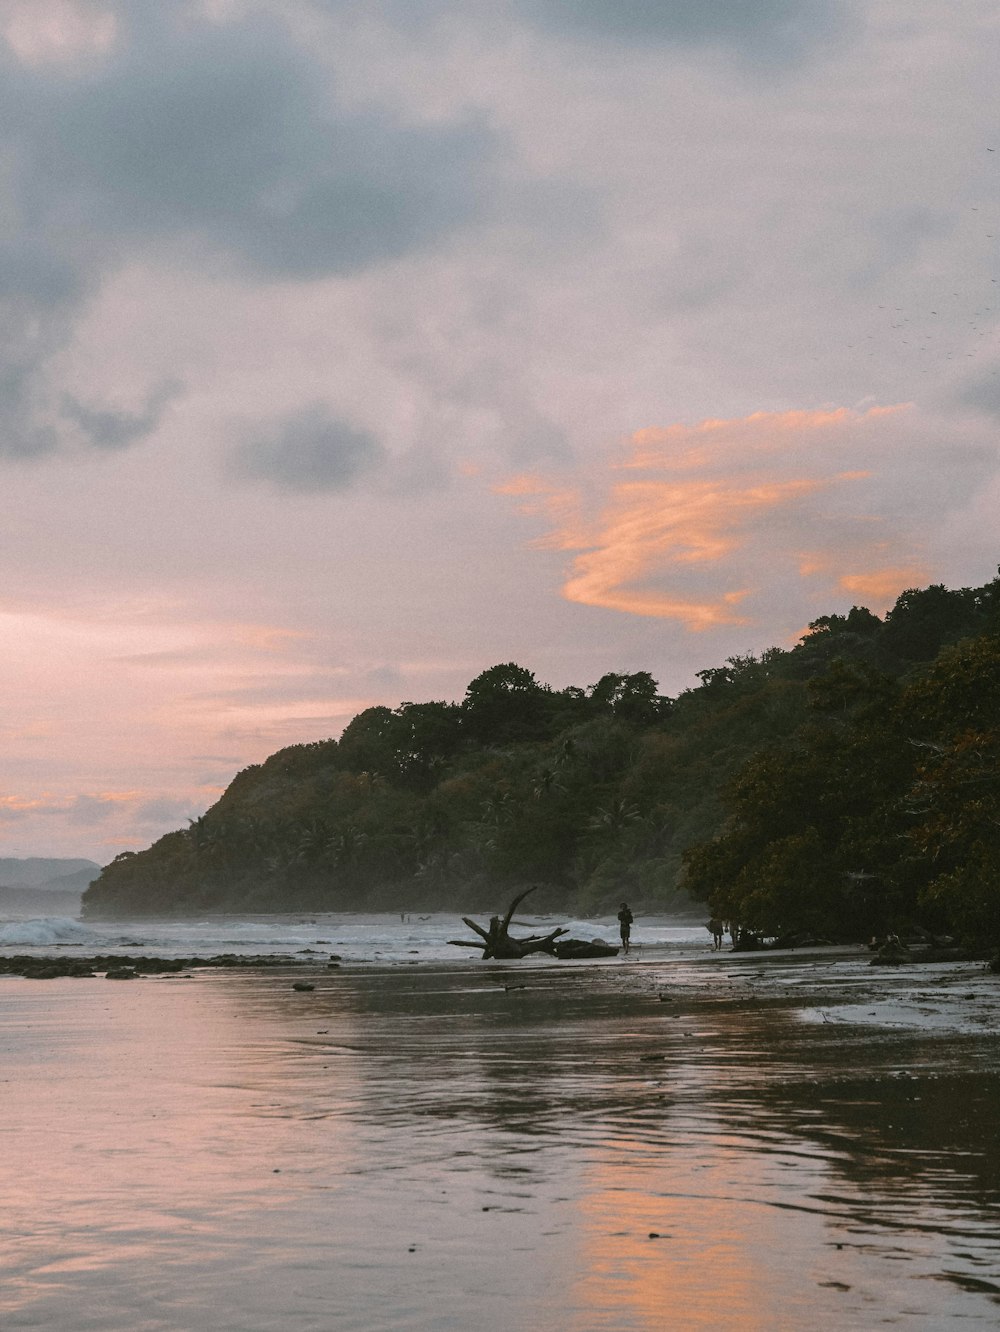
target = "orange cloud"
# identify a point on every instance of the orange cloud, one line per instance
(266, 638)
(699, 445)
(15, 805)
(882, 586)
(878, 586)
(655, 524)
(725, 508)
(560, 508)
(525, 484)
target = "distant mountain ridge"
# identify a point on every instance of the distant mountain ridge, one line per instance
(55, 875)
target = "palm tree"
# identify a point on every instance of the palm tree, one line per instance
(611, 821)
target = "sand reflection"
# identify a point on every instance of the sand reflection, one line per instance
(151, 1145)
(694, 1238)
(430, 1149)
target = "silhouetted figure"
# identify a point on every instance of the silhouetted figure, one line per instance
(717, 929)
(625, 925)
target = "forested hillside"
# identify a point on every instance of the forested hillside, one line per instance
(847, 785)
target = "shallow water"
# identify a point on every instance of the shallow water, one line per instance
(382, 938)
(489, 1146)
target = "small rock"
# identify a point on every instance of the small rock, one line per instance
(303, 985)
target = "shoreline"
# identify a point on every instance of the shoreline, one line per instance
(831, 984)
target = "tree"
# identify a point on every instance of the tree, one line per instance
(505, 704)
(859, 621)
(633, 699)
(954, 800)
(426, 737)
(807, 815)
(923, 620)
(367, 743)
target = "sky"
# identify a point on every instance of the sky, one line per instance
(350, 347)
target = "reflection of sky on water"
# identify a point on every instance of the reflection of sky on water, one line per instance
(782, 1167)
(144, 1132)
(427, 1148)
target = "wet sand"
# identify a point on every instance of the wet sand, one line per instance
(729, 1143)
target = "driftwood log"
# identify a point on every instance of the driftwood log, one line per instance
(497, 941)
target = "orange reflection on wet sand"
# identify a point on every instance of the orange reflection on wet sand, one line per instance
(692, 1241)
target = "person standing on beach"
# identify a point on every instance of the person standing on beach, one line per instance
(625, 925)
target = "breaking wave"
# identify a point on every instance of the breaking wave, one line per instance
(44, 931)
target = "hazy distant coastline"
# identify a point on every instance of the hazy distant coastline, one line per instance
(43, 886)
(47, 874)
(23, 902)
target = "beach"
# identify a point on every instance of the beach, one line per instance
(674, 1140)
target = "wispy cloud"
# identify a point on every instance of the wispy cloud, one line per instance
(85, 808)
(696, 518)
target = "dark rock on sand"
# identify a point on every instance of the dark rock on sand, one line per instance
(23, 964)
(572, 949)
(46, 968)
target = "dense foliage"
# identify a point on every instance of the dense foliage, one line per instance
(847, 785)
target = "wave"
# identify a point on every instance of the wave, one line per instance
(44, 930)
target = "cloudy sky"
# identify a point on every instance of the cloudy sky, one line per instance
(350, 347)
